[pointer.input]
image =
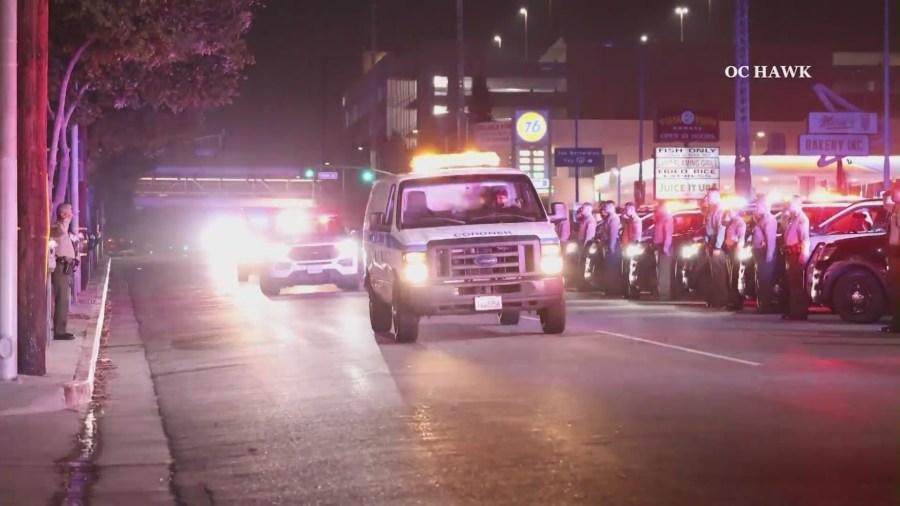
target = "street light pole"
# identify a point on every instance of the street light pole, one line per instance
(524, 12)
(8, 186)
(460, 71)
(681, 11)
(641, 64)
(887, 99)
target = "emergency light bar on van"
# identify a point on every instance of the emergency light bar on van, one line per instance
(430, 163)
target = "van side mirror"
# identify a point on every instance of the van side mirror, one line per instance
(377, 223)
(558, 212)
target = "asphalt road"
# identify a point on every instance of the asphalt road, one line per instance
(293, 400)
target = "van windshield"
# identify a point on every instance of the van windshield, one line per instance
(469, 200)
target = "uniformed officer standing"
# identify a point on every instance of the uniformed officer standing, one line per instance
(735, 236)
(796, 254)
(765, 230)
(632, 230)
(612, 254)
(61, 279)
(717, 292)
(891, 201)
(663, 230)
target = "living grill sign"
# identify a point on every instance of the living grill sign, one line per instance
(685, 125)
(685, 173)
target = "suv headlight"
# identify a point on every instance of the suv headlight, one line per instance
(634, 250)
(277, 251)
(415, 267)
(690, 251)
(551, 261)
(348, 248)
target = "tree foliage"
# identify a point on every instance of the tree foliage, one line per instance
(162, 57)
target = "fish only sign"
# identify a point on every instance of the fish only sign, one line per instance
(685, 173)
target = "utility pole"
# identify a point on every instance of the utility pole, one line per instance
(8, 198)
(887, 99)
(743, 182)
(460, 72)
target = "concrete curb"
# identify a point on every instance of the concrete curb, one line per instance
(81, 388)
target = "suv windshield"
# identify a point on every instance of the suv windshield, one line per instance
(469, 200)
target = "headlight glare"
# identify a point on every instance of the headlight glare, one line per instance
(634, 250)
(549, 250)
(690, 251)
(551, 265)
(745, 254)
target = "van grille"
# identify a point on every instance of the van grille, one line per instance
(468, 261)
(313, 253)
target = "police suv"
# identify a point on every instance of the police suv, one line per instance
(461, 236)
(310, 249)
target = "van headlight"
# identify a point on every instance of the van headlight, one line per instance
(415, 268)
(634, 250)
(690, 251)
(745, 254)
(551, 261)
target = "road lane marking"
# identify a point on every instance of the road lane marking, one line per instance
(674, 347)
(531, 318)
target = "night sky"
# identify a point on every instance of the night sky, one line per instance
(309, 51)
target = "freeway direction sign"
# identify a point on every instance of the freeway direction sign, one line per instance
(328, 175)
(834, 145)
(578, 157)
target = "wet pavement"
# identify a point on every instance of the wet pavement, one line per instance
(293, 400)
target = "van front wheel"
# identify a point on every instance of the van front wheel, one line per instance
(553, 318)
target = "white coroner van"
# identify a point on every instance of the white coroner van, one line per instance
(461, 241)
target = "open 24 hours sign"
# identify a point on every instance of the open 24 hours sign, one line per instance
(685, 173)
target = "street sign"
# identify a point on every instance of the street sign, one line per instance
(578, 157)
(834, 145)
(328, 175)
(541, 184)
(842, 123)
(680, 125)
(685, 173)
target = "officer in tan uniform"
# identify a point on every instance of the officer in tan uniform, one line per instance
(765, 230)
(735, 235)
(891, 199)
(632, 230)
(663, 231)
(61, 278)
(796, 254)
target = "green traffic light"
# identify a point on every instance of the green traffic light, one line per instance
(309, 173)
(367, 176)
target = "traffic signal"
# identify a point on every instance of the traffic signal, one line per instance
(367, 175)
(309, 173)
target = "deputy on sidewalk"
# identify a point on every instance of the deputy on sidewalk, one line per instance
(735, 236)
(765, 230)
(796, 254)
(612, 254)
(891, 201)
(632, 231)
(663, 230)
(61, 279)
(717, 292)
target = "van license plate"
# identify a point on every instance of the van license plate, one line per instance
(314, 269)
(489, 303)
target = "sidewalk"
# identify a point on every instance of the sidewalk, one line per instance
(70, 364)
(37, 431)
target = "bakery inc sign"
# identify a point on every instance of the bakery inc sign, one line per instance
(687, 125)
